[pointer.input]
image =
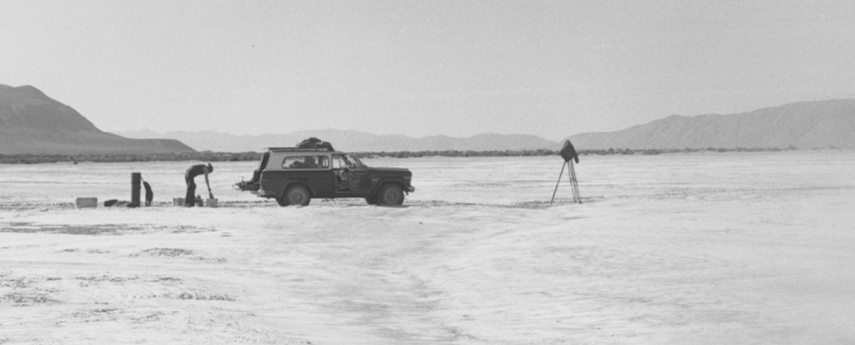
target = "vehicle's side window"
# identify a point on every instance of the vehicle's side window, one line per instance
(323, 162)
(306, 162)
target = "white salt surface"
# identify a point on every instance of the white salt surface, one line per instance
(730, 248)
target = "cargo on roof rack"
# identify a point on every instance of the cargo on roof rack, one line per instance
(295, 149)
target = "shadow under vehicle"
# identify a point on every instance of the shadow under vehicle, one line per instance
(294, 176)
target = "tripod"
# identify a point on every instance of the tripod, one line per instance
(573, 183)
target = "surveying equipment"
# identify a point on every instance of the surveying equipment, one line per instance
(569, 154)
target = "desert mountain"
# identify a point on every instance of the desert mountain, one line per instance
(353, 141)
(31, 122)
(806, 125)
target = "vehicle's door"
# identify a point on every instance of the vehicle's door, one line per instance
(341, 174)
(352, 178)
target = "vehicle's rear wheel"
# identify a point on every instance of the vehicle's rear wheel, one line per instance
(390, 194)
(295, 195)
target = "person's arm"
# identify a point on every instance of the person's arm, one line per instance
(208, 183)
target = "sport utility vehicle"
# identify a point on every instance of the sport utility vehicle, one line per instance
(293, 176)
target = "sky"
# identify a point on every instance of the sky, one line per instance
(419, 68)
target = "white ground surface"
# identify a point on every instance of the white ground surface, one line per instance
(672, 249)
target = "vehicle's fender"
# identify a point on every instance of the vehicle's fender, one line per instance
(276, 187)
(296, 182)
(375, 187)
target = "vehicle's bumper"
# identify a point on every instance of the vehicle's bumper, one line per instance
(411, 189)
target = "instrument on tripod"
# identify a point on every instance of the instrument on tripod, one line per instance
(568, 152)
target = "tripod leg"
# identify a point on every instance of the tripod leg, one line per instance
(559, 181)
(575, 184)
(570, 177)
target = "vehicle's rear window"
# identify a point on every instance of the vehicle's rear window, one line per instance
(306, 162)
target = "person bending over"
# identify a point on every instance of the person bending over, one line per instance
(189, 176)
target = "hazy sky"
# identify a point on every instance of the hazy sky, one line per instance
(549, 68)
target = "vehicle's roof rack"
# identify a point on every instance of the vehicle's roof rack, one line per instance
(295, 149)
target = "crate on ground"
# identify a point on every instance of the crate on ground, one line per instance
(86, 202)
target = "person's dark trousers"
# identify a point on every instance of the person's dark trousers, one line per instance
(190, 197)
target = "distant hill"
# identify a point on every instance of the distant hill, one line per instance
(33, 123)
(805, 125)
(353, 141)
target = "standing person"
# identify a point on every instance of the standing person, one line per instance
(189, 176)
(149, 194)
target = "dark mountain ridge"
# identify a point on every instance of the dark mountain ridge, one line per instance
(33, 123)
(27, 108)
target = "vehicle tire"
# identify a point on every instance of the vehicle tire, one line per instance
(281, 201)
(295, 195)
(391, 195)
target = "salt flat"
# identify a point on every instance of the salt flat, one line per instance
(724, 248)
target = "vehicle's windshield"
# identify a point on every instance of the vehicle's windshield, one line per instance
(355, 163)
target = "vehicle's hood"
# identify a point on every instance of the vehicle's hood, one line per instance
(390, 171)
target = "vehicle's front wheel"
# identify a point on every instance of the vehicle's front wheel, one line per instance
(391, 195)
(295, 195)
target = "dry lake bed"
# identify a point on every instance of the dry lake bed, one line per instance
(706, 248)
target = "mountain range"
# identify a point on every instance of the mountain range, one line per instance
(33, 123)
(804, 125)
(352, 141)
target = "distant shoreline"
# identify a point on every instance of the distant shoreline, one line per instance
(208, 156)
